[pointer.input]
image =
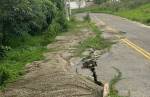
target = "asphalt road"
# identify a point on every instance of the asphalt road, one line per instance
(136, 32)
(134, 66)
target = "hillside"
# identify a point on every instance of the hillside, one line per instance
(141, 14)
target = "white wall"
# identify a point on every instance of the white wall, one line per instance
(75, 4)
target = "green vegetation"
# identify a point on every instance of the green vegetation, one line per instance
(93, 9)
(22, 19)
(99, 43)
(95, 42)
(99, 1)
(26, 27)
(141, 14)
(12, 66)
(113, 82)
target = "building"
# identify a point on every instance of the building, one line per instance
(74, 4)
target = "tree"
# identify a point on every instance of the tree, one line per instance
(22, 18)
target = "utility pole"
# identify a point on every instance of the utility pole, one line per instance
(79, 3)
(68, 9)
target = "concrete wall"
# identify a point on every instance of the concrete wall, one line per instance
(77, 4)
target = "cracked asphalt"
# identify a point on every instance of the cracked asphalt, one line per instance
(134, 66)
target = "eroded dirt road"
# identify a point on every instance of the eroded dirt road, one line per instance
(51, 77)
(134, 66)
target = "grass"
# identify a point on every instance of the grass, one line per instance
(13, 64)
(141, 14)
(95, 42)
(113, 82)
(99, 43)
(93, 9)
(12, 67)
(75, 26)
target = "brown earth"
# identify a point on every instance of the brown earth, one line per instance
(51, 77)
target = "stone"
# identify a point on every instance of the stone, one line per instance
(106, 90)
(32, 66)
(111, 30)
(97, 52)
(60, 38)
(84, 30)
(86, 53)
(67, 55)
(75, 61)
(124, 93)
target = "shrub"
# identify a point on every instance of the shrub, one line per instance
(27, 26)
(99, 1)
(133, 3)
(54, 28)
(123, 4)
(4, 75)
(2, 52)
(22, 19)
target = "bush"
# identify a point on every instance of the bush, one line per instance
(27, 26)
(123, 4)
(22, 19)
(133, 3)
(2, 52)
(99, 1)
(28, 17)
(4, 75)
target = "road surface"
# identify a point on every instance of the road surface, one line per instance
(129, 58)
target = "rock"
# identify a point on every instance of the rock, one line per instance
(84, 30)
(32, 66)
(75, 61)
(111, 30)
(86, 53)
(60, 38)
(107, 35)
(106, 90)
(67, 55)
(1, 95)
(98, 52)
(124, 93)
(101, 23)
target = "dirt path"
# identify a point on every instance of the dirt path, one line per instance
(51, 77)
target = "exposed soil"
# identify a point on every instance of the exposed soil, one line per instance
(52, 77)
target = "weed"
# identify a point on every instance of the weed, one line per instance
(4, 74)
(113, 82)
(140, 14)
(95, 42)
(13, 64)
